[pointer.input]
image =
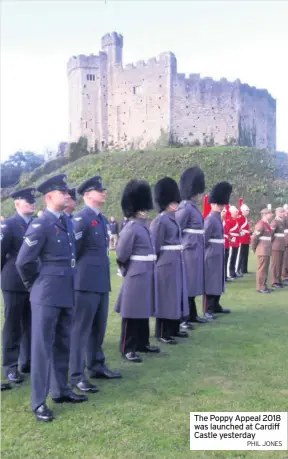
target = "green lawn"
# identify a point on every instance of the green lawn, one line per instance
(236, 363)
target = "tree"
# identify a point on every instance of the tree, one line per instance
(16, 164)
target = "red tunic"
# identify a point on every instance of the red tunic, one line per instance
(233, 232)
(226, 237)
(244, 226)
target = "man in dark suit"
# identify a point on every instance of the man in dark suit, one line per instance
(92, 286)
(50, 239)
(16, 333)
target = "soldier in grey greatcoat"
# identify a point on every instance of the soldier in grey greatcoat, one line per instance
(190, 219)
(136, 258)
(172, 296)
(214, 249)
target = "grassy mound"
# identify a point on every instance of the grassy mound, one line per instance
(257, 175)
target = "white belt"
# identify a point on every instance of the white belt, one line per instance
(286, 231)
(217, 241)
(143, 257)
(264, 238)
(193, 231)
(171, 247)
(245, 231)
(279, 235)
(234, 234)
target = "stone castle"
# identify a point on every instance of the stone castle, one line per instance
(148, 103)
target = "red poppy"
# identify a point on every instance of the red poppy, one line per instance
(94, 223)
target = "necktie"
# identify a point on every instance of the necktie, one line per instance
(63, 221)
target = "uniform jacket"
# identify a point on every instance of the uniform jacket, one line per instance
(226, 236)
(190, 218)
(214, 255)
(92, 243)
(261, 240)
(278, 236)
(244, 227)
(113, 227)
(138, 296)
(124, 223)
(172, 296)
(233, 232)
(12, 235)
(286, 229)
(48, 241)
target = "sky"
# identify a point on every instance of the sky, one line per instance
(230, 39)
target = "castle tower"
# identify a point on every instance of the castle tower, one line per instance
(87, 76)
(112, 45)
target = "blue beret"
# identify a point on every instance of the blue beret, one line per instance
(94, 183)
(28, 194)
(58, 182)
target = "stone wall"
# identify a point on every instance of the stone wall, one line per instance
(257, 118)
(139, 112)
(204, 111)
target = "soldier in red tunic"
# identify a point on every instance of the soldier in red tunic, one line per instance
(245, 238)
(233, 231)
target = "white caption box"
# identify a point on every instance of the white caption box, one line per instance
(238, 431)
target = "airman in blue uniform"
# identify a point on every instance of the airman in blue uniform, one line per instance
(16, 333)
(50, 239)
(92, 286)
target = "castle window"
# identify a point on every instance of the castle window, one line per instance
(86, 124)
(90, 77)
(137, 90)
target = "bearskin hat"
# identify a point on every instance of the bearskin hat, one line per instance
(166, 191)
(221, 193)
(136, 196)
(192, 182)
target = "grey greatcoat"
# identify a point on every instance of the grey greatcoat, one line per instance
(172, 296)
(214, 255)
(137, 297)
(189, 217)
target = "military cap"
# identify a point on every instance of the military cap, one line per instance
(58, 182)
(72, 193)
(166, 191)
(192, 182)
(266, 211)
(28, 194)
(221, 193)
(94, 183)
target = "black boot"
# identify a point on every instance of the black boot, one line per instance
(193, 312)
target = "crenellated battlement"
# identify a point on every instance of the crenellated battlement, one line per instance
(86, 62)
(167, 58)
(112, 39)
(208, 82)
